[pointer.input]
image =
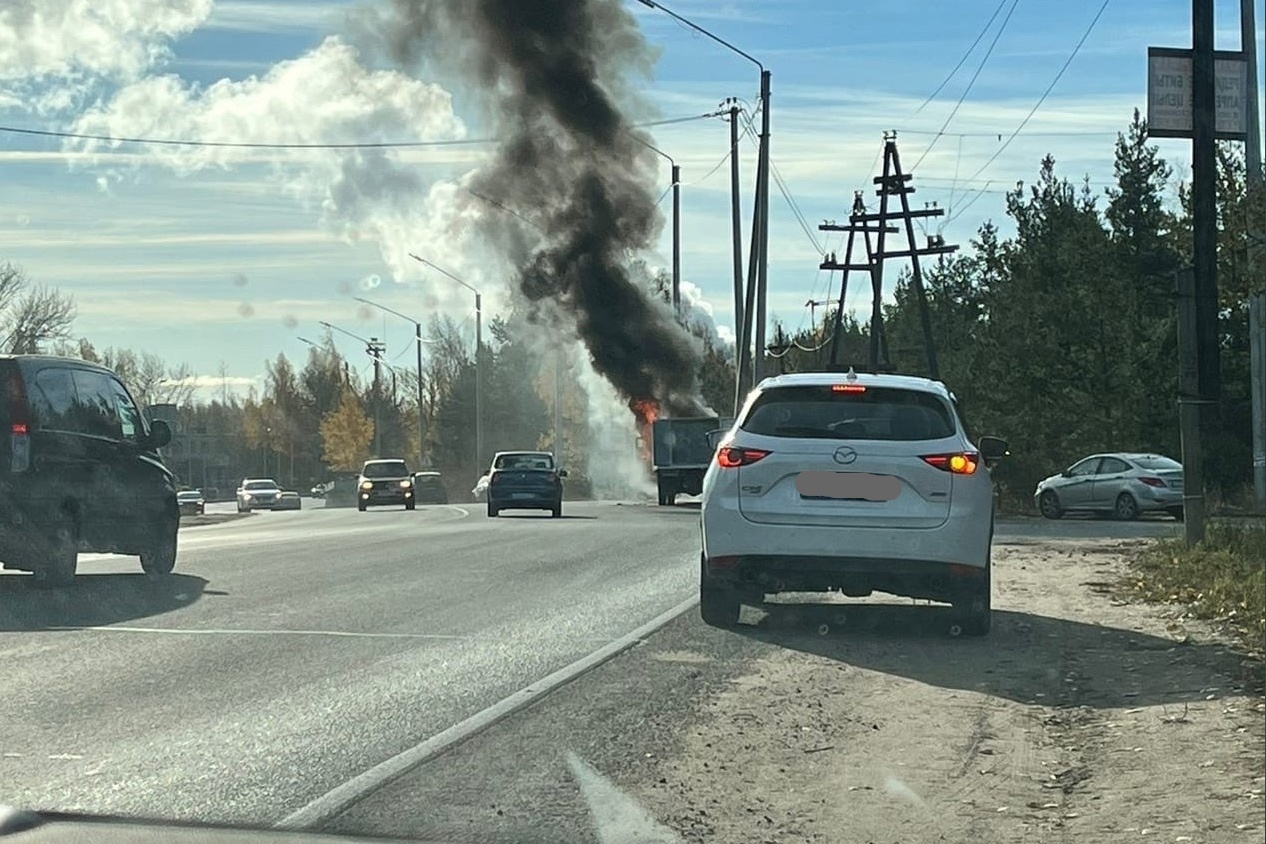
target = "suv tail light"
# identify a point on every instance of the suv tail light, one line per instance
(731, 457)
(19, 420)
(1156, 482)
(958, 463)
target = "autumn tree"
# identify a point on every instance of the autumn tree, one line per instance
(31, 317)
(346, 434)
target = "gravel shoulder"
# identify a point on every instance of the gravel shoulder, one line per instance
(1079, 718)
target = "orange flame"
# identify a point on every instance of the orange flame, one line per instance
(645, 411)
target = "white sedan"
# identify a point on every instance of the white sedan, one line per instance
(858, 482)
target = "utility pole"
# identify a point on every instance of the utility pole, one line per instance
(762, 279)
(558, 406)
(1257, 265)
(417, 339)
(676, 173)
(1204, 175)
(736, 221)
(376, 349)
(1189, 408)
(893, 182)
(744, 380)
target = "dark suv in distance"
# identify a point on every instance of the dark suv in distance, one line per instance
(79, 470)
(385, 481)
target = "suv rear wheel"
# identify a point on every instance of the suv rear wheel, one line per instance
(718, 606)
(61, 557)
(974, 609)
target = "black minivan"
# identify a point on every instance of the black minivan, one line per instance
(79, 470)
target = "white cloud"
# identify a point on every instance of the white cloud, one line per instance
(75, 41)
(211, 382)
(326, 96)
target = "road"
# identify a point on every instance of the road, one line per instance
(295, 651)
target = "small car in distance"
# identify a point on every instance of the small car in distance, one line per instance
(386, 481)
(860, 482)
(1121, 484)
(525, 480)
(288, 500)
(428, 488)
(191, 502)
(257, 494)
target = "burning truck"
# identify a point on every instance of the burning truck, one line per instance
(677, 449)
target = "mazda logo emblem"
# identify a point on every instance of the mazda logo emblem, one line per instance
(844, 454)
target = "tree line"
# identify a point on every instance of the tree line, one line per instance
(1060, 338)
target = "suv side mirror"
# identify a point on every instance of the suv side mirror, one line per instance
(562, 473)
(993, 448)
(159, 434)
(714, 437)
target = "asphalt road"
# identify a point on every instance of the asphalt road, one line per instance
(293, 651)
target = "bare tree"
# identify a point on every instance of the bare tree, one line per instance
(31, 317)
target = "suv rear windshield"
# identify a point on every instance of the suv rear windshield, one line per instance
(879, 413)
(386, 469)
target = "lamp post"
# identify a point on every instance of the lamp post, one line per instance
(758, 265)
(417, 334)
(479, 344)
(676, 186)
(374, 348)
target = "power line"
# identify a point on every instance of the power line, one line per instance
(115, 139)
(786, 192)
(958, 66)
(979, 68)
(1087, 133)
(1076, 49)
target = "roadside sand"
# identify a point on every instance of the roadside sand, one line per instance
(1079, 718)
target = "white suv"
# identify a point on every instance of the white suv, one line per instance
(860, 483)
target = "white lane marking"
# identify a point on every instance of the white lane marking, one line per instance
(341, 797)
(228, 631)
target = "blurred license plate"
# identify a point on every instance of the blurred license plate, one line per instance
(520, 496)
(847, 486)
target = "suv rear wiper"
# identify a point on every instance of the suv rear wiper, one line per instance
(805, 431)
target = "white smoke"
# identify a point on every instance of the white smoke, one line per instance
(78, 42)
(616, 468)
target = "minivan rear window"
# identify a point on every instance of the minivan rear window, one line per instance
(879, 413)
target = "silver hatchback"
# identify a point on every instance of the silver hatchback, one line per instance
(1123, 484)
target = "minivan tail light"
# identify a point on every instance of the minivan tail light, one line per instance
(958, 463)
(732, 457)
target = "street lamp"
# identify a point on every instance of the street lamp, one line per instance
(479, 344)
(758, 265)
(676, 186)
(417, 333)
(374, 348)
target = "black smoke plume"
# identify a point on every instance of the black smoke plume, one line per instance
(550, 73)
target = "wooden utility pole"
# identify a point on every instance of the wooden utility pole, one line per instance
(892, 182)
(375, 347)
(736, 220)
(1190, 404)
(1257, 266)
(1204, 180)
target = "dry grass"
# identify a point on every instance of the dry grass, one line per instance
(1223, 578)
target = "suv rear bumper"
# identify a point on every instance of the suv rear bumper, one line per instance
(757, 575)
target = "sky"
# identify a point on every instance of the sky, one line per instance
(221, 258)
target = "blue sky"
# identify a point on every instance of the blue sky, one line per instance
(210, 257)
